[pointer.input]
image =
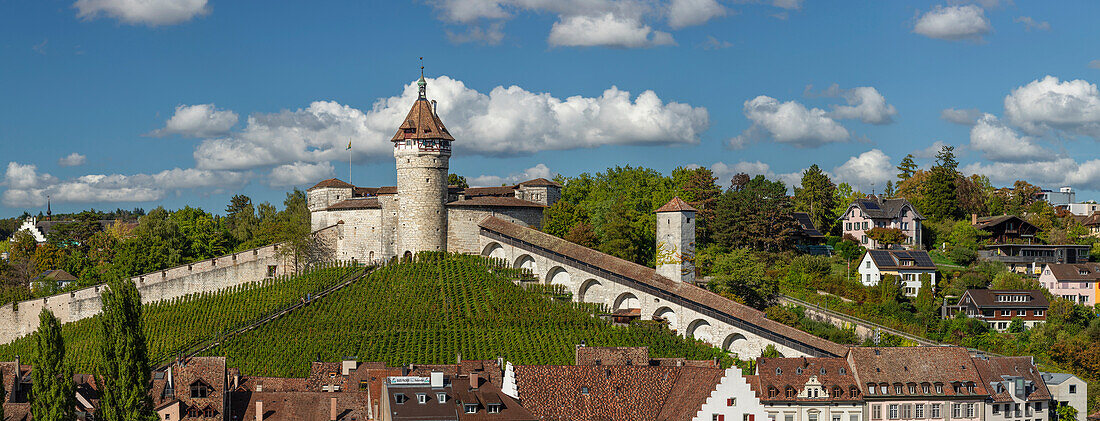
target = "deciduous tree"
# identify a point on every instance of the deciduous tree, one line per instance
(817, 197)
(457, 180)
(886, 237)
(699, 189)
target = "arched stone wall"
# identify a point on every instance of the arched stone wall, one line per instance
(557, 275)
(732, 341)
(669, 315)
(627, 300)
(592, 291)
(494, 250)
(700, 329)
(525, 261)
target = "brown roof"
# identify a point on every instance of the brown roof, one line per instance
(496, 201)
(539, 182)
(509, 191)
(211, 371)
(1089, 272)
(996, 371)
(615, 392)
(303, 406)
(778, 373)
(990, 221)
(1091, 220)
(1095, 416)
(589, 355)
(421, 123)
(365, 191)
(356, 203)
(676, 205)
(332, 182)
(690, 294)
(905, 366)
(986, 298)
(387, 190)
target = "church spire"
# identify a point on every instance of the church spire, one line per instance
(423, 84)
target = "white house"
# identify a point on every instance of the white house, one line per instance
(732, 400)
(1067, 389)
(909, 265)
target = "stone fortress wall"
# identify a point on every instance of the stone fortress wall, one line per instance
(20, 319)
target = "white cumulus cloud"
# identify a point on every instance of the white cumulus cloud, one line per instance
(607, 30)
(965, 117)
(866, 104)
(1031, 24)
(788, 122)
(301, 173)
(1048, 103)
(682, 13)
(506, 121)
(537, 171)
(866, 171)
(147, 12)
(71, 160)
(954, 23)
(201, 120)
(28, 188)
(1000, 143)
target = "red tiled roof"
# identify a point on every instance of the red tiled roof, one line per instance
(992, 369)
(648, 276)
(496, 202)
(944, 365)
(332, 182)
(356, 203)
(778, 373)
(588, 355)
(539, 182)
(421, 123)
(676, 205)
(386, 190)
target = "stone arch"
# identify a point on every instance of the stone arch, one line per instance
(669, 315)
(733, 341)
(408, 255)
(493, 250)
(700, 329)
(370, 256)
(627, 300)
(526, 262)
(591, 291)
(557, 275)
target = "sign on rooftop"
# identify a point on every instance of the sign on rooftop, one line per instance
(409, 380)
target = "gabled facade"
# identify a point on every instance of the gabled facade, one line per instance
(1016, 388)
(808, 389)
(195, 388)
(908, 265)
(874, 211)
(1066, 390)
(1078, 283)
(999, 307)
(1005, 228)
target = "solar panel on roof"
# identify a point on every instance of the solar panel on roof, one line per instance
(870, 204)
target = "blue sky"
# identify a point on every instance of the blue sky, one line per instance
(118, 103)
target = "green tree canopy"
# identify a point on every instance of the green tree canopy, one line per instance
(52, 392)
(457, 180)
(123, 363)
(817, 196)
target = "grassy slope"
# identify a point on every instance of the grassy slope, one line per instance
(433, 309)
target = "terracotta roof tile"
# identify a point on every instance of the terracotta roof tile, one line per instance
(676, 205)
(421, 123)
(503, 191)
(496, 202)
(356, 203)
(589, 355)
(947, 366)
(691, 294)
(539, 182)
(996, 370)
(332, 182)
(834, 374)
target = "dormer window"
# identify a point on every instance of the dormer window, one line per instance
(939, 388)
(471, 408)
(773, 392)
(421, 398)
(842, 371)
(822, 371)
(399, 398)
(778, 371)
(441, 397)
(200, 389)
(494, 408)
(791, 392)
(798, 370)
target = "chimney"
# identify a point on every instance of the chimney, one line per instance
(473, 380)
(973, 219)
(332, 409)
(437, 380)
(15, 386)
(458, 358)
(347, 366)
(259, 411)
(236, 381)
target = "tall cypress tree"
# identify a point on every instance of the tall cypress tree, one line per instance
(123, 366)
(53, 393)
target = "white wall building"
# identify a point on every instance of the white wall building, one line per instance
(909, 265)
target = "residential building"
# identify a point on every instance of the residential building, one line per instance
(874, 211)
(1017, 390)
(1005, 228)
(908, 265)
(1063, 196)
(440, 397)
(808, 234)
(53, 278)
(1092, 223)
(1033, 258)
(1079, 283)
(193, 387)
(919, 383)
(999, 307)
(1067, 389)
(808, 389)
(1081, 209)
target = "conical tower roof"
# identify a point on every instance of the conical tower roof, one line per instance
(422, 122)
(677, 205)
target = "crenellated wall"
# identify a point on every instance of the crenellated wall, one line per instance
(19, 319)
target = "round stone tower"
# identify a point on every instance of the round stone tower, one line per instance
(422, 148)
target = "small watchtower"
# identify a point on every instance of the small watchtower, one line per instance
(676, 241)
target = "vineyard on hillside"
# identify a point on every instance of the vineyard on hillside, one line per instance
(429, 311)
(175, 325)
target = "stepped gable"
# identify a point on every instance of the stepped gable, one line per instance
(496, 201)
(775, 374)
(332, 182)
(648, 276)
(356, 203)
(947, 366)
(993, 371)
(676, 205)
